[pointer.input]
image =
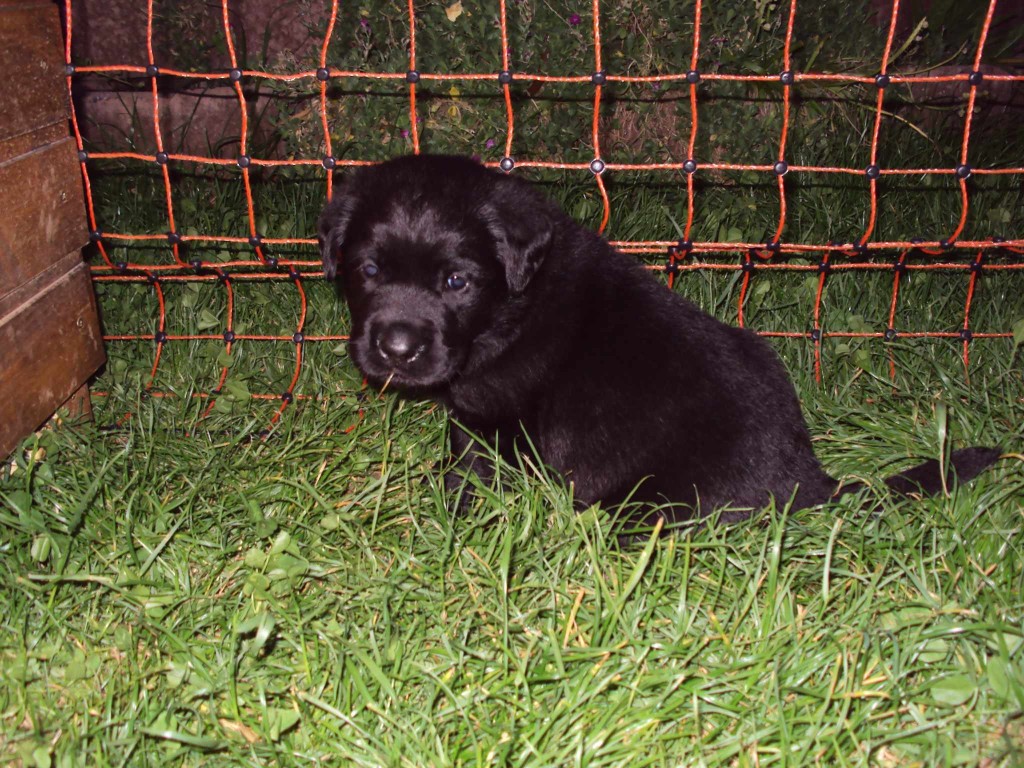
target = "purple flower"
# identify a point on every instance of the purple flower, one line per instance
(489, 143)
(405, 133)
(365, 24)
(574, 20)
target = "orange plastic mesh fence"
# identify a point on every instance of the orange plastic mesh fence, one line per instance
(682, 254)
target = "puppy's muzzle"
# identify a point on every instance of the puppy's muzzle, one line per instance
(400, 343)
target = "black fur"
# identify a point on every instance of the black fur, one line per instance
(622, 386)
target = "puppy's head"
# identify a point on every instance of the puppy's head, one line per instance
(430, 253)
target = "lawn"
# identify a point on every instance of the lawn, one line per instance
(188, 585)
(190, 591)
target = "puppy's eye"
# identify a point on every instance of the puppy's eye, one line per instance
(456, 282)
(371, 270)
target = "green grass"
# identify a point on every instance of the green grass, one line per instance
(179, 591)
(214, 599)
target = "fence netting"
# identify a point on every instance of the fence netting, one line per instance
(169, 258)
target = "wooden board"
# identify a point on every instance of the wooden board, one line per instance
(43, 212)
(50, 343)
(33, 89)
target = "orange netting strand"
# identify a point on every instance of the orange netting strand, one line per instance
(681, 254)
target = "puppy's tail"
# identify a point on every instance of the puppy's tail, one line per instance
(926, 479)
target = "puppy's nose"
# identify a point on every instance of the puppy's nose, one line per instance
(400, 342)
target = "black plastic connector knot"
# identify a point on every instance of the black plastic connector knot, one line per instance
(229, 336)
(773, 246)
(975, 78)
(197, 266)
(690, 166)
(507, 164)
(671, 268)
(162, 158)
(224, 278)
(966, 334)
(244, 161)
(173, 238)
(235, 75)
(977, 266)
(916, 241)
(328, 162)
(599, 78)
(412, 76)
(294, 274)
(82, 155)
(824, 267)
(683, 247)
(152, 70)
(96, 236)
(69, 69)
(947, 245)
(121, 267)
(787, 77)
(160, 337)
(882, 81)
(963, 171)
(256, 240)
(860, 248)
(749, 265)
(781, 168)
(597, 166)
(815, 334)
(872, 172)
(899, 266)
(504, 77)
(891, 334)
(693, 77)
(287, 398)
(152, 279)
(298, 338)
(323, 74)
(272, 262)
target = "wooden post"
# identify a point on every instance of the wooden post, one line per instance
(50, 341)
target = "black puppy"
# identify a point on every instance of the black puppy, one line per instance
(469, 287)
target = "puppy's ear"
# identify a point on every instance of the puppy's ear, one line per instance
(332, 227)
(520, 222)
